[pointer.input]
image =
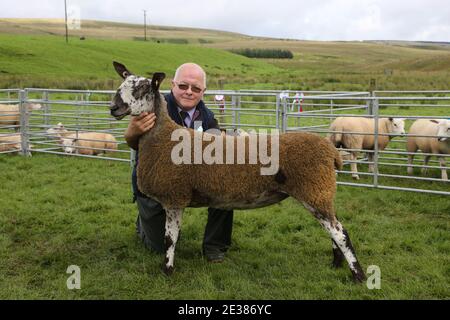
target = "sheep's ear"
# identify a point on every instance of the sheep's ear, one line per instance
(391, 119)
(158, 77)
(435, 121)
(121, 70)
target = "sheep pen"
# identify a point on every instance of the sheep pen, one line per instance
(306, 171)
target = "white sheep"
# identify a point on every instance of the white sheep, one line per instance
(437, 143)
(343, 135)
(306, 170)
(10, 113)
(10, 142)
(87, 143)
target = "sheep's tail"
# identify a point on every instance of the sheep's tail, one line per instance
(335, 138)
(338, 164)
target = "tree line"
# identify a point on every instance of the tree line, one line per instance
(264, 53)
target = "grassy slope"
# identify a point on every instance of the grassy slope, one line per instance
(48, 59)
(316, 65)
(54, 220)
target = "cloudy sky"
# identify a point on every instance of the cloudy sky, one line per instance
(425, 20)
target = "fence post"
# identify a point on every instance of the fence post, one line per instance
(376, 119)
(278, 114)
(46, 108)
(284, 123)
(369, 104)
(331, 111)
(24, 121)
(234, 105)
(87, 99)
(238, 112)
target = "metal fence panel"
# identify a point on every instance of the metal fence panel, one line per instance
(86, 111)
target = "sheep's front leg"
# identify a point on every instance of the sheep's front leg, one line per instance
(173, 225)
(425, 163)
(370, 157)
(444, 169)
(410, 162)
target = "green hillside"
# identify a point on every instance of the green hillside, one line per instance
(33, 53)
(48, 60)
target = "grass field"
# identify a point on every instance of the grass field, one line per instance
(59, 211)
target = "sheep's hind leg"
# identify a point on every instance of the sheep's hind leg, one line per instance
(353, 166)
(338, 257)
(341, 240)
(173, 225)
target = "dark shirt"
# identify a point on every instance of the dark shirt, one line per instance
(202, 114)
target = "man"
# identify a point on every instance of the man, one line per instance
(185, 107)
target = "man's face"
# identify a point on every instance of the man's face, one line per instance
(188, 87)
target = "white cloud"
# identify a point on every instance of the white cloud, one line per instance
(301, 19)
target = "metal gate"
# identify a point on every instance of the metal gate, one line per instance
(313, 111)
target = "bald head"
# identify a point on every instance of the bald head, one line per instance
(191, 70)
(188, 85)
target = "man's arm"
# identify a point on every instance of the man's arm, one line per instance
(137, 126)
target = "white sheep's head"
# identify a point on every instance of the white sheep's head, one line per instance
(57, 130)
(136, 94)
(68, 145)
(34, 106)
(443, 132)
(397, 126)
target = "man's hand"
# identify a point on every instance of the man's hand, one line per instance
(137, 126)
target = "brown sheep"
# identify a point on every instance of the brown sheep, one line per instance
(343, 136)
(306, 170)
(438, 143)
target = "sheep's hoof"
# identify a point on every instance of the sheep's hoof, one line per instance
(168, 270)
(336, 264)
(359, 277)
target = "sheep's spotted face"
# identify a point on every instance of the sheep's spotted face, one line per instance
(132, 97)
(136, 94)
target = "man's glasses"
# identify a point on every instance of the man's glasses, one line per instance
(185, 86)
